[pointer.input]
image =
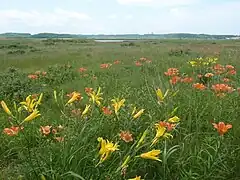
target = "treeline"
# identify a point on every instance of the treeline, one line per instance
(120, 36)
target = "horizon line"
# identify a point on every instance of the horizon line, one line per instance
(117, 34)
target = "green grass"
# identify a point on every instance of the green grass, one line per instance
(196, 150)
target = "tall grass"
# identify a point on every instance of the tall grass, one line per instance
(196, 150)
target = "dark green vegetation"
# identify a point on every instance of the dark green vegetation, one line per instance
(200, 153)
(120, 36)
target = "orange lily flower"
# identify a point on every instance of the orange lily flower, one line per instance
(208, 75)
(143, 59)
(219, 69)
(137, 63)
(221, 88)
(168, 125)
(32, 76)
(45, 130)
(12, 131)
(105, 66)
(82, 69)
(187, 80)
(106, 111)
(232, 72)
(229, 67)
(172, 72)
(222, 128)
(88, 90)
(126, 136)
(199, 86)
(117, 62)
(175, 79)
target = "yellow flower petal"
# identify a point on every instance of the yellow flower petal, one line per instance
(75, 96)
(32, 116)
(174, 119)
(106, 148)
(159, 94)
(151, 155)
(40, 99)
(136, 178)
(6, 109)
(117, 104)
(95, 97)
(138, 114)
(86, 110)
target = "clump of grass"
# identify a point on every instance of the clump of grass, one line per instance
(16, 52)
(179, 52)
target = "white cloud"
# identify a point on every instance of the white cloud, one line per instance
(212, 19)
(58, 17)
(128, 16)
(112, 16)
(202, 17)
(135, 1)
(159, 3)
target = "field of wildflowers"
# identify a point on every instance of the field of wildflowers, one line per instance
(133, 117)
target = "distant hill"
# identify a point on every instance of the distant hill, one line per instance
(121, 36)
(14, 35)
(53, 35)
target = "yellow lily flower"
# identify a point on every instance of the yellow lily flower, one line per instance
(160, 132)
(136, 178)
(95, 97)
(193, 63)
(86, 110)
(106, 148)
(75, 96)
(205, 63)
(214, 60)
(32, 116)
(174, 119)
(117, 104)
(151, 155)
(138, 114)
(31, 103)
(6, 109)
(160, 95)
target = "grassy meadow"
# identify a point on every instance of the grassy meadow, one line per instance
(153, 110)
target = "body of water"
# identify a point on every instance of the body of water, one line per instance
(112, 40)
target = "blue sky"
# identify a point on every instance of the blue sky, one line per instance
(120, 16)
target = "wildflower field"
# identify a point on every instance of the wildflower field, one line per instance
(153, 110)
